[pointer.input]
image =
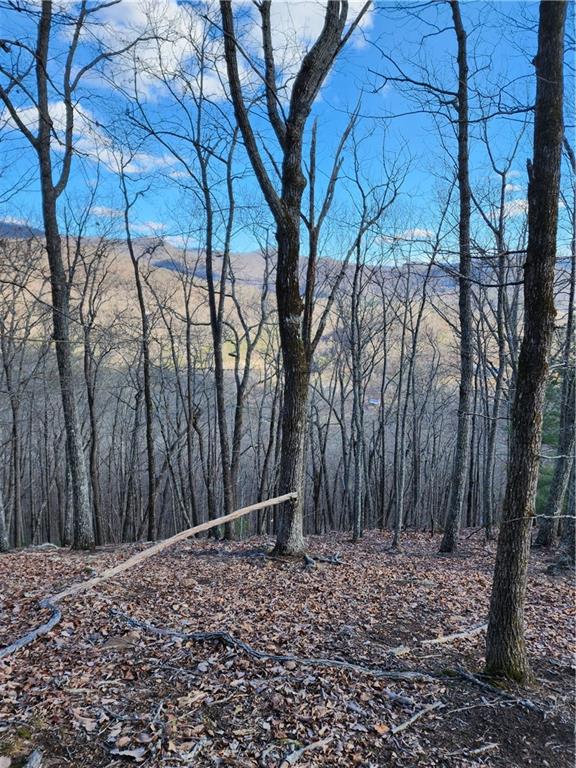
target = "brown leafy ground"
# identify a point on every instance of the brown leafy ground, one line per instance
(96, 693)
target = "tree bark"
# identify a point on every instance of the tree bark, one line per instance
(83, 536)
(505, 644)
(286, 209)
(461, 456)
(4, 545)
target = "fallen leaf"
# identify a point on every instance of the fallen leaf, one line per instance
(135, 754)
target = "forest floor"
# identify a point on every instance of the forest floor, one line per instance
(99, 692)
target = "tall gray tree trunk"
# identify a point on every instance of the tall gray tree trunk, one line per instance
(489, 495)
(4, 545)
(462, 453)
(357, 420)
(567, 550)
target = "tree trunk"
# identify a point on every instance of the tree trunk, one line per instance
(94, 452)
(4, 545)
(83, 536)
(505, 644)
(567, 551)
(461, 456)
(554, 503)
(146, 371)
(286, 209)
(290, 535)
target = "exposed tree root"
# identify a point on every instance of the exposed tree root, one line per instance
(34, 634)
(232, 642)
(310, 560)
(526, 703)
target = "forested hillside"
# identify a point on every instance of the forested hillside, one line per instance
(405, 395)
(293, 283)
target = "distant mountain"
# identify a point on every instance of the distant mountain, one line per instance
(17, 230)
(248, 267)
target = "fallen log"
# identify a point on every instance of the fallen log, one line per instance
(83, 586)
(151, 551)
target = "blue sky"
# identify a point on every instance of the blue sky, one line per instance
(395, 126)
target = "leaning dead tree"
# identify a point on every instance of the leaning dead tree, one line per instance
(138, 558)
(505, 647)
(294, 312)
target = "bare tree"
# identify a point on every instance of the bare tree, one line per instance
(505, 644)
(294, 314)
(136, 259)
(462, 453)
(31, 70)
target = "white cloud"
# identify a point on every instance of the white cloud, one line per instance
(409, 235)
(14, 220)
(109, 213)
(172, 33)
(513, 188)
(295, 25)
(517, 207)
(90, 140)
(168, 35)
(148, 227)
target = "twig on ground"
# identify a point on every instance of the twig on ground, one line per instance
(478, 751)
(293, 757)
(456, 635)
(416, 716)
(330, 559)
(474, 532)
(403, 650)
(311, 560)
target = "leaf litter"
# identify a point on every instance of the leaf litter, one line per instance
(97, 691)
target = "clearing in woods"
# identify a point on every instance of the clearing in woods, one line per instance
(98, 691)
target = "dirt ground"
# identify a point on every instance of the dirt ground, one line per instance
(99, 692)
